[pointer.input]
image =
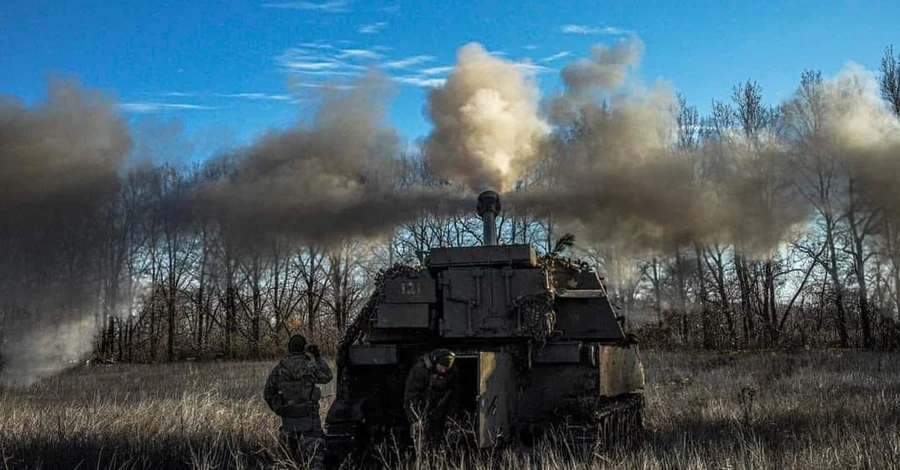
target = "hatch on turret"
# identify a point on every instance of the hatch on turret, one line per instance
(517, 256)
(482, 302)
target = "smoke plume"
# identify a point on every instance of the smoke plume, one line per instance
(607, 68)
(613, 178)
(337, 178)
(60, 161)
(487, 131)
(864, 134)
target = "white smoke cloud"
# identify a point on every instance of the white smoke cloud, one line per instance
(487, 130)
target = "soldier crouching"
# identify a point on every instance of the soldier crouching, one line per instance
(431, 393)
(291, 392)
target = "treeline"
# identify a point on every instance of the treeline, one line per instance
(834, 282)
(183, 285)
(190, 290)
(169, 277)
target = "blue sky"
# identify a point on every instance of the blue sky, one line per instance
(241, 67)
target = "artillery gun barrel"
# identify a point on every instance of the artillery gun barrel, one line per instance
(488, 208)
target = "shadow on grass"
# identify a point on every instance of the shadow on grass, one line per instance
(122, 453)
(775, 435)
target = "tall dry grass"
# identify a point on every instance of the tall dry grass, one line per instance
(818, 409)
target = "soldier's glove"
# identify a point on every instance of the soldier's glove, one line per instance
(314, 350)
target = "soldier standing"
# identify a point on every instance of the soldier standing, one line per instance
(432, 390)
(291, 392)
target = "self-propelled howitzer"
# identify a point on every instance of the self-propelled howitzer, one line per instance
(537, 343)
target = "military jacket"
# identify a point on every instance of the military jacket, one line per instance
(428, 392)
(291, 387)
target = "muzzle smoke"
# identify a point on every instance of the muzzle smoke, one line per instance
(487, 131)
(59, 162)
(334, 179)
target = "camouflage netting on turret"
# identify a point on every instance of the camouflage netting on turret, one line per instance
(536, 312)
(358, 328)
(552, 262)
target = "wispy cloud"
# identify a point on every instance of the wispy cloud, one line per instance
(337, 6)
(530, 47)
(408, 61)
(436, 70)
(532, 69)
(592, 30)
(358, 54)
(172, 94)
(312, 66)
(258, 96)
(557, 56)
(420, 81)
(410, 72)
(323, 65)
(299, 84)
(325, 59)
(147, 107)
(372, 28)
(315, 45)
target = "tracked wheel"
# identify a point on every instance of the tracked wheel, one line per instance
(614, 423)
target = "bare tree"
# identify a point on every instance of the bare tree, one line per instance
(862, 220)
(820, 183)
(252, 266)
(173, 214)
(347, 282)
(285, 287)
(310, 265)
(890, 79)
(889, 82)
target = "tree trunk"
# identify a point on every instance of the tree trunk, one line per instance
(858, 231)
(201, 313)
(771, 316)
(256, 320)
(704, 308)
(682, 295)
(719, 276)
(747, 315)
(837, 285)
(864, 315)
(657, 294)
(230, 310)
(170, 317)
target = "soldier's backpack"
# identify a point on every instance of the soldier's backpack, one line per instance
(297, 390)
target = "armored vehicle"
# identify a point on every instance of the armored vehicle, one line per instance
(537, 343)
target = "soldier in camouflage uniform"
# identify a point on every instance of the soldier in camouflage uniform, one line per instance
(432, 391)
(291, 392)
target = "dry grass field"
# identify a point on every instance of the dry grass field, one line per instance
(817, 409)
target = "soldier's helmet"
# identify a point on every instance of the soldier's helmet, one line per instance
(443, 357)
(297, 344)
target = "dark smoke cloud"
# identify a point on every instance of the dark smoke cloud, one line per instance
(71, 144)
(334, 179)
(613, 177)
(607, 68)
(60, 161)
(614, 180)
(864, 134)
(752, 192)
(604, 73)
(619, 178)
